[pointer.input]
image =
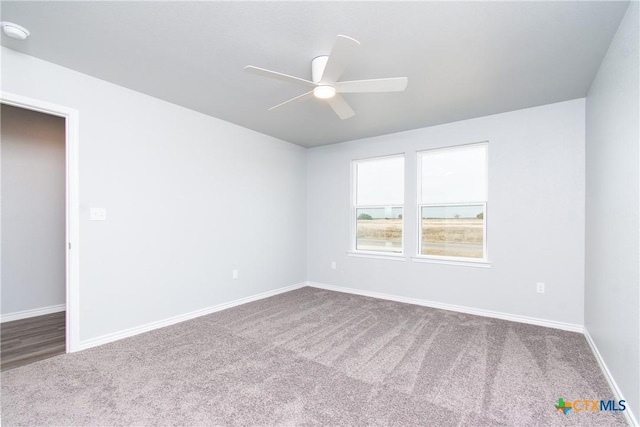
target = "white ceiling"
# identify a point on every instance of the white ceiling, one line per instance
(462, 59)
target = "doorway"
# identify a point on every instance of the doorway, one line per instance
(56, 225)
(33, 236)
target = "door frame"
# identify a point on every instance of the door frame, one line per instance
(72, 205)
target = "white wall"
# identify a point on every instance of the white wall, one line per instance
(33, 210)
(612, 297)
(188, 199)
(535, 216)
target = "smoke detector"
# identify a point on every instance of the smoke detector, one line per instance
(14, 31)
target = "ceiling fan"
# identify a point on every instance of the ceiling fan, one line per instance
(325, 72)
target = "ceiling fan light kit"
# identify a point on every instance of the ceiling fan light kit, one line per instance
(325, 72)
(324, 91)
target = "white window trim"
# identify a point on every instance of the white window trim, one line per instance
(353, 220)
(464, 262)
(436, 259)
(378, 255)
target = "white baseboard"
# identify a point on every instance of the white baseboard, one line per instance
(32, 313)
(629, 415)
(115, 336)
(459, 308)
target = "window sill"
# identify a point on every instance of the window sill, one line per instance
(465, 263)
(393, 257)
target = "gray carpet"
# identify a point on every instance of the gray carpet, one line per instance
(315, 357)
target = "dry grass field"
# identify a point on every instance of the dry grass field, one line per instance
(380, 229)
(446, 237)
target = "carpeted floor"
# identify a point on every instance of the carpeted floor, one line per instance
(315, 357)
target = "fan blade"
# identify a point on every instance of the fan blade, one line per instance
(297, 98)
(394, 84)
(341, 107)
(343, 49)
(278, 76)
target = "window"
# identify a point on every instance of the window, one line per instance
(452, 203)
(378, 201)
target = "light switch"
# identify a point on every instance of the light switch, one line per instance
(98, 214)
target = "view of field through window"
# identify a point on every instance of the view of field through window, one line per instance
(379, 198)
(379, 229)
(453, 231)
(452, 200)
(456, 231)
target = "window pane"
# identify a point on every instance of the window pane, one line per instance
(456, 231)
(380, 181)
(454, 175)
(379, 229)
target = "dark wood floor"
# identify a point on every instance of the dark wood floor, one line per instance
(29, 340)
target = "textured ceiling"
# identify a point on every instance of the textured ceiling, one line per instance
(462, 59)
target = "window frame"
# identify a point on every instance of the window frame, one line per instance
(353, 245)
(447, 259)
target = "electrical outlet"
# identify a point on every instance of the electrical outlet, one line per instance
(540, 287)
(333, 265)
(234, 274)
